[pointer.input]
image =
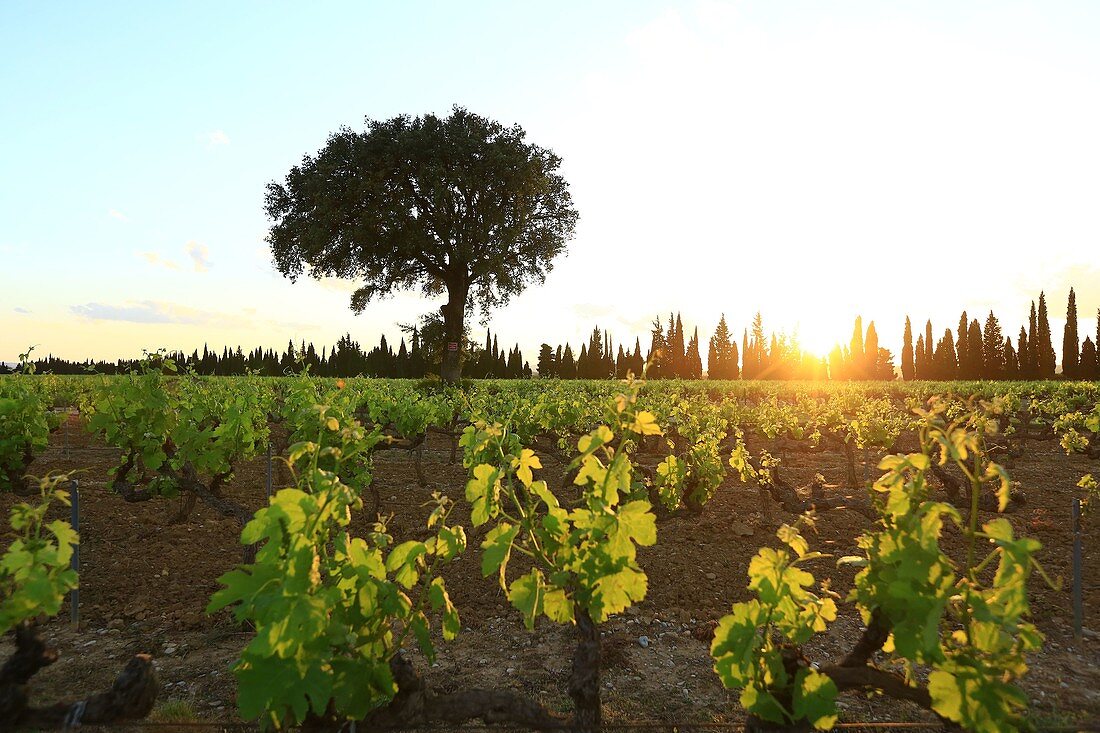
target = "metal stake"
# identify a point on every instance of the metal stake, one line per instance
(74, 595)
(1078, 605)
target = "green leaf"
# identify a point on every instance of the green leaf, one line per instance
(763, 704)
(791, 537)
(526, 594)
(947, 696)
(814, 699)
(558, 606)
(404, 560)
(617, 591)
(636, 519)
(497, 548)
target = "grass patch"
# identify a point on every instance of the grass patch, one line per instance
(174, 711)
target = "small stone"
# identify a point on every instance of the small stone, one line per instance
(116, 623)
(740, 529)
(169, 650)
(643, 642)
(711, 576)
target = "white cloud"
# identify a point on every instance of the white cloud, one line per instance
(214, 138)
(200, 256)
(165, 312)
(22, 310)
(146, 311)
(157, 261)
(196, 252)
(116, 214)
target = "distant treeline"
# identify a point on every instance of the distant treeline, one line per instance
(977, 352)
(973, 351)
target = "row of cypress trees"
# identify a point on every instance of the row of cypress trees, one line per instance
(972, 351)
(977, 352)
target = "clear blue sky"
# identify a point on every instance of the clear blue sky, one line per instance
(797, 158)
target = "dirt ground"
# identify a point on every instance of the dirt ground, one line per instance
(144, 583)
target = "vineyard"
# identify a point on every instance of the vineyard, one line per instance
(544, 553)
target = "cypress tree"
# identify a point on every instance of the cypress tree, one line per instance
(1088, 368)
(946, 361)
(918, 360)
(929, 349)
(1071, 355)
(856, 353)
(836, 364)
(694, 364)
(1011, 368)
(637, 363)
(1047, 360)
(974, 346)
(908, 362)
(546, 361)
(746, 361)
(402, 360)
(677, 350)
(757, 347)
(568, 364)
(961, 344)
(1032, 370)
(655, 360)
(515, 363)
(871, 355)
(772, 363)
(1023, 348)
(721, 353)
(993, 349)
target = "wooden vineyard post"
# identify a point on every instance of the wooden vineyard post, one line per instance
(1078, 606)
(269, 469)
(74, 595)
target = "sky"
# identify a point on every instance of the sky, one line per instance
(812, 160)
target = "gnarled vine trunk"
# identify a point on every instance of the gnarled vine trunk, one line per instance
(131, 697)
(584, 682)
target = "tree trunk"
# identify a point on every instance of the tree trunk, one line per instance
(454, 314)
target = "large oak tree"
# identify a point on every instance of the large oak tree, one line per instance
(460, 205)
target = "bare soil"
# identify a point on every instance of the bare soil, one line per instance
(144, 583)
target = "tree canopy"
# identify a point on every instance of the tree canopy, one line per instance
(460, 205)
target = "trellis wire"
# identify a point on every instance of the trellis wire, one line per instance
(565, 725)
